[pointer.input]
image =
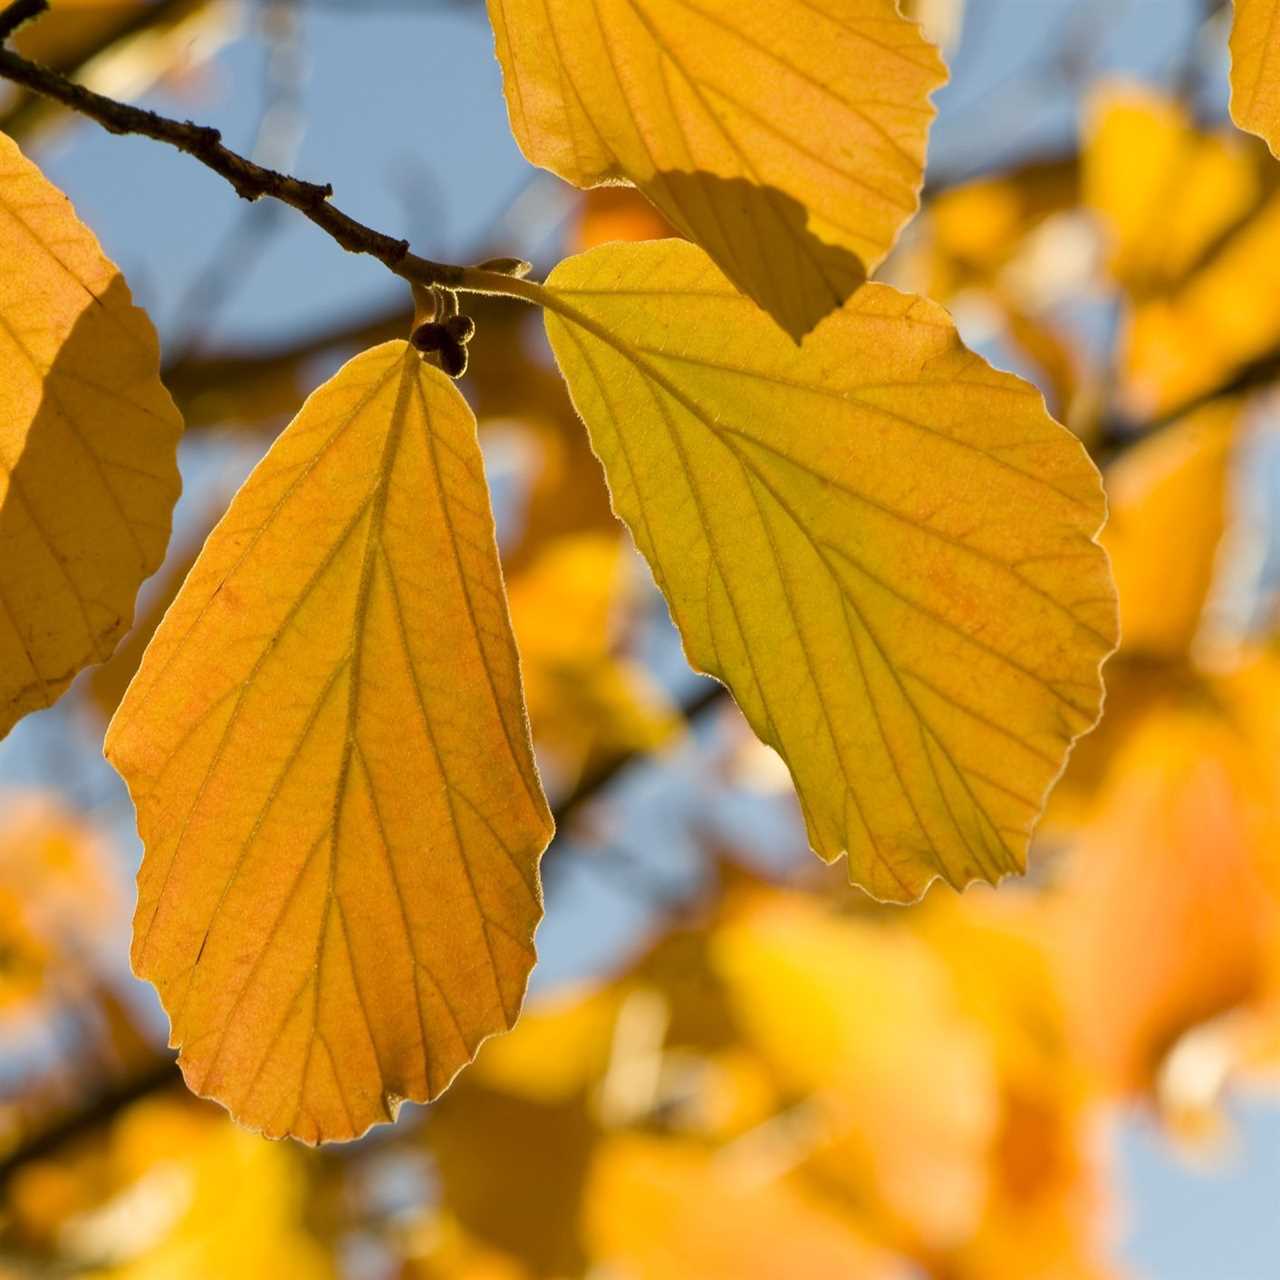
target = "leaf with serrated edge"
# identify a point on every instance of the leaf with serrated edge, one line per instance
(884, 547)
(88, 445)
(327, 747)
(1255, 69)
(787, 137)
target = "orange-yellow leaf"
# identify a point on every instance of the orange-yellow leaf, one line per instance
(1167, 919)
(882, 545)
(327, 747)
(171, 1189)
(667, 1210)
(1169, 491)
(1255, 69)
(787, 137)
(88, 445)
(586, 699)
(1164, 191)
(1226, 315)
(862, 1022)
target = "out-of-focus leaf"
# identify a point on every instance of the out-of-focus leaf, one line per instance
(121, 48)
(65, 1021)
(882, 545)
(787, 137)
(60, 870)
(1164, 190)
(860, 1019)
(670, 1211)
(327, 747)
(606, 214)
(88, 445)
(559, 1051)
(585, 699)
(1169, 492)
(175, 1190)
(512, 1171)
(1255, 69)
(1166, 914)
(1044, 1216)
(1191, 342)
(969, 232)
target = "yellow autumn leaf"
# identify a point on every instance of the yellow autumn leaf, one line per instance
(171, 1189)
(670, 1210)
(884, 547)
(1163, 190)
(588, 700)
(901, 1086)
(1043, 1214)
(1170, 491)
(1255, 69)
(327, 747)
(1167, 887)
(1227, 314)
(88, 445)
(787, 137)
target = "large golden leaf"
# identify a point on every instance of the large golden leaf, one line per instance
(787, 137)
(1255, 69)
(88, 445)
(327, 747)
(884, 547)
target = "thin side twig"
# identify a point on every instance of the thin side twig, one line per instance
(251, 181)
(19, 12)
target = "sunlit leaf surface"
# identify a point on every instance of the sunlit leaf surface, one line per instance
(327, 747)
(787, 137)
(882, 545)
(88, 440)
(1255, 69)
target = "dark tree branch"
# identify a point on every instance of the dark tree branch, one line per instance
(160, 1075)
(251, 181)
(18, 13)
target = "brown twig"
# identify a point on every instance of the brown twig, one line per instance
(251, 181)
(19, 12)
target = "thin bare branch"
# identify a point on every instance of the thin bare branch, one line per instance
(251, 181)
(16, 14)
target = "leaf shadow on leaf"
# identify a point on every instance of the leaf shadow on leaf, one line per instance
(65, 543)
(762, 241)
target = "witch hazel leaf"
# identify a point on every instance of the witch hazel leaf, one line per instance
(327, 747)
(884, 547)
(88, 445)
(787, 137)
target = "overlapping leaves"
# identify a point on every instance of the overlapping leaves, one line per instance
(787, 138)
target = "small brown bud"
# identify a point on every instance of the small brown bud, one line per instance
(430, 336)
(453, 359)
(516, 267)
(460, 328)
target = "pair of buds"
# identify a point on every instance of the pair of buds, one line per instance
(446, 335)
